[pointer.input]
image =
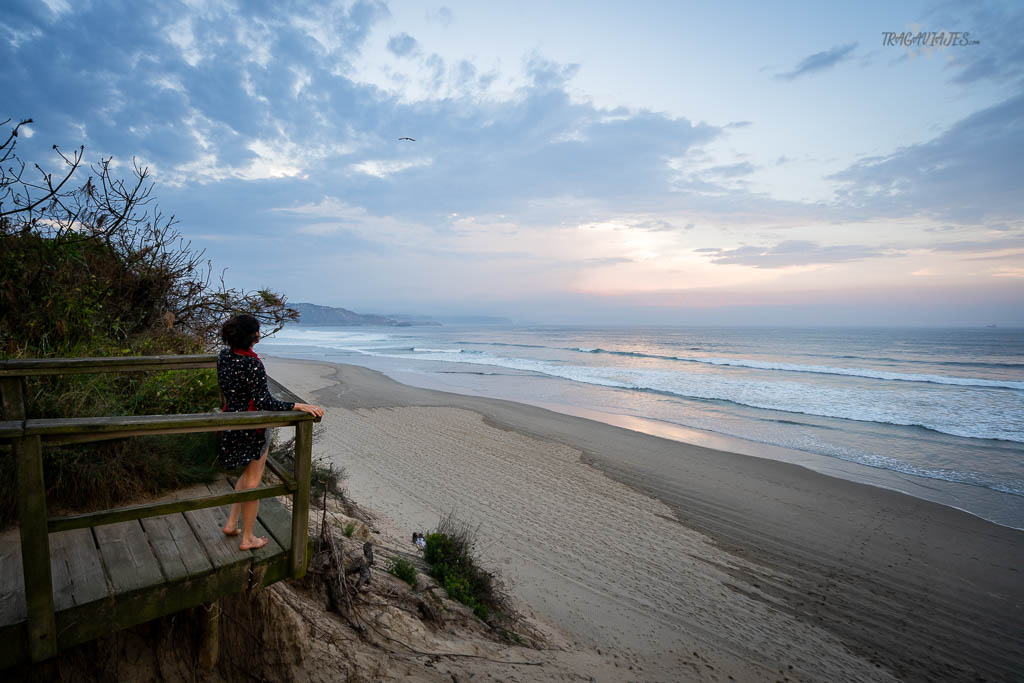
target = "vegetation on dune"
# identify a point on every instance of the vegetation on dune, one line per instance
(96, 269)
(405, 570)
(450, 555)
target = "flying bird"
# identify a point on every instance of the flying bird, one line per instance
(409, 139)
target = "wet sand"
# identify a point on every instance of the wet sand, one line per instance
(701, 564)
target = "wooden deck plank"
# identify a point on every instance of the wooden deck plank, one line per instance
(222, 550)
(270, 550)
(81, 624)
(278, 521)
(13, 645)
(274, 545)
(129, 561)
(226, 547)
(12, 583)
(179, 552)
(78, 576)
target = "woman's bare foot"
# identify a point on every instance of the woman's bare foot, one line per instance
(254, 543)
(231, 531)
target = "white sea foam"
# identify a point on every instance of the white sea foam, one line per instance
(817, 369)
(974, 418)
(860, 372)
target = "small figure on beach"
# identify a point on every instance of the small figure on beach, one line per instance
(419, 540)
(243, 384)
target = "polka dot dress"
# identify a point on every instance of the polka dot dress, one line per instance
(243, 382)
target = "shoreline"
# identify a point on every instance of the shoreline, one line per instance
(990, 504)
(939, 491)
(661, 547)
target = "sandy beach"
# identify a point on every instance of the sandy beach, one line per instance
(694, 564)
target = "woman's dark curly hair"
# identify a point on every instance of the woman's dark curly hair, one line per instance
(240, 331)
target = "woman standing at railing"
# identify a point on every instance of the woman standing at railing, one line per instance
(243, 382)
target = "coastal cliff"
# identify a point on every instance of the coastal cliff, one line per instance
(315, 314)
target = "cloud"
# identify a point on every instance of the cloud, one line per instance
(968, 174)
(283, 109)
(251, 109)
(382, 168)
(608, 261)
(819, 61)
(791, 253)
(656, 225)
(976, 246)
(730, 170)
(403, 45)
(997, 56)
(443, 16)
(549, 75)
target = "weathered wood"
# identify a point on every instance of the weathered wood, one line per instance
(158, 509)
(222, 550)
(35, 548)
(209, 636)
(78, 576)
(13, 645)
(278, 522)
(176, 547)
(283, 474)
(166, 563)
(12, 585)
(81, 624)
(270, 550)
(12, 398)
(283, 393)
(73, 366)
(262, 555)
(12, 429)
(130, 562)
(83, 429)
(300, 499)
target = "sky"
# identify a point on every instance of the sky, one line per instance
(725, 163)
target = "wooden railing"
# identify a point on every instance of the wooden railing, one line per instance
(27, 438)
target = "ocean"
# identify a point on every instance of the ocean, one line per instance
(935, 413)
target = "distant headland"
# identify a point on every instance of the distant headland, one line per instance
(315, 314)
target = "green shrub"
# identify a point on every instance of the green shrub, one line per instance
(449, 552)
(349, 529)
(405, 570)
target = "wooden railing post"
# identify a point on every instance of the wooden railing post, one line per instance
(12, 395)
(35, 548)
(300, 499)
(35, 539)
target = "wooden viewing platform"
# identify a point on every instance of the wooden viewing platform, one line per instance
(67, 580)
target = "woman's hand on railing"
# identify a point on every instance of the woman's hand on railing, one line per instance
(308, 408)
